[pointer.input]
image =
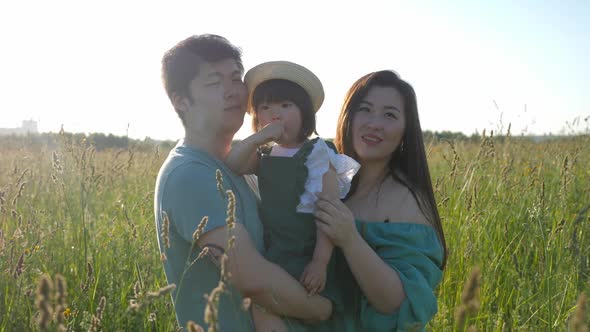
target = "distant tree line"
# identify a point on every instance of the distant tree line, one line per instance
(102, 141)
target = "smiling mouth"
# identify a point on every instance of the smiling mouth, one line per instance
(371, 139)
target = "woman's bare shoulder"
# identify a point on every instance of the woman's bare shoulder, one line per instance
(403, 205)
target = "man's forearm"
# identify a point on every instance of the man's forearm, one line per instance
(283, 295)
(266, 283)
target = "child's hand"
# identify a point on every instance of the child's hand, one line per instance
(271, 132)
(313, 277)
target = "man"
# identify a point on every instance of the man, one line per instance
(202, 76)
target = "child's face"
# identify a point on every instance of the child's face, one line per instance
(286, 113)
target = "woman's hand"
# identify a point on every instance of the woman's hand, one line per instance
(335, 220)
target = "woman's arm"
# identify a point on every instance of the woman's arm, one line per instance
(242, 158)
(378, 281)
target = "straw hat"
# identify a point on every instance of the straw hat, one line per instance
(287, 71)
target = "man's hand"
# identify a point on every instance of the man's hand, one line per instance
(313, 277)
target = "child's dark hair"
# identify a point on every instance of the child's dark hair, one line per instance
(278, 90)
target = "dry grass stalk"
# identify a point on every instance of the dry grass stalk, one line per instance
(18, 194)
(194, 327)
(89, 277)
(198, 232)
(246, 303)
(137, 290)
(469, 299)
(212, 307)
(203, 253)
(579, 322)
(43, 302)
(165, 229)
(219, 179)
(61, 304)
(139, 300)
(56, 163)
(97, 318)
(18, 270)
(231, 209)
(150, 296)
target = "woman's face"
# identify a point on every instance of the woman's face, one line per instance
(378, 124)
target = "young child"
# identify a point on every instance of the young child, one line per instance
(291, 173)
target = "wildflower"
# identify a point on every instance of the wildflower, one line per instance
(67, 313)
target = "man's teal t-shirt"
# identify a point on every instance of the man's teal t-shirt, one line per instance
(186, 189)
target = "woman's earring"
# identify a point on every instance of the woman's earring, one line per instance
(402, 146)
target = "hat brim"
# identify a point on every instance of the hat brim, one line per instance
(287, 71)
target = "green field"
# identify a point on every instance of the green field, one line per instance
(514, 210)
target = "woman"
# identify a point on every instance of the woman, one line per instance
(395, 251)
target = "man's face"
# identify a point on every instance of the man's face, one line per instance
(218, 98)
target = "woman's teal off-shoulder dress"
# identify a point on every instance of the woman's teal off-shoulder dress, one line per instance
(415, 253)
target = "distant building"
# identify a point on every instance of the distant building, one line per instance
(28, 127)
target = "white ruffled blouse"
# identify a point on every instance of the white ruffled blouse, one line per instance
(318, 163)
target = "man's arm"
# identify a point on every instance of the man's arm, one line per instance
(266, 283)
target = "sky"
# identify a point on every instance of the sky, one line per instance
(475, 65)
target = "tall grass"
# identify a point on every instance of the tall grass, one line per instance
(78, 248)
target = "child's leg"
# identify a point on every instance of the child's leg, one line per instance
(265, 321)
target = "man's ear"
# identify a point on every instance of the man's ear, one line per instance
(180, 102)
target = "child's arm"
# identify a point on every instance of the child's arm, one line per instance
(242, 158)
(314, 275)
